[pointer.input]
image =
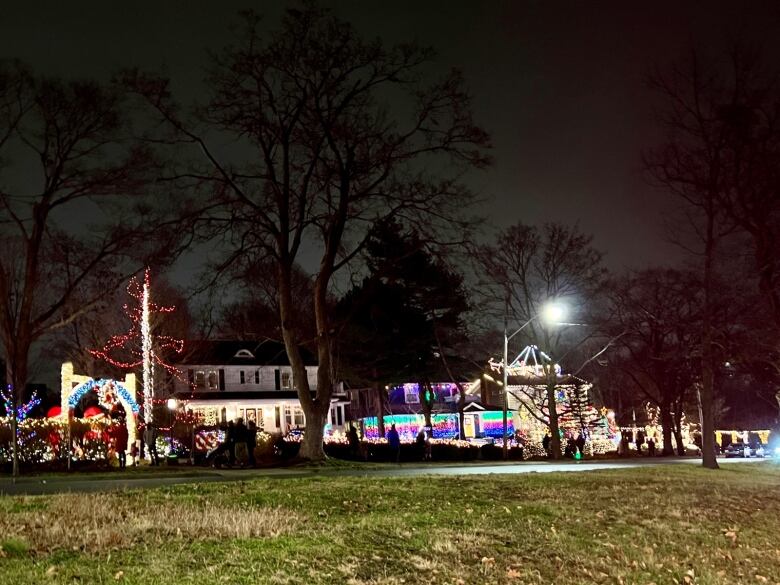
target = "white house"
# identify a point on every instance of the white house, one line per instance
(252, 380)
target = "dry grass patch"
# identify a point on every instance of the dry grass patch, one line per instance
(107, 522)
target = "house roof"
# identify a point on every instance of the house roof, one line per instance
(232, 352)
(239, 395)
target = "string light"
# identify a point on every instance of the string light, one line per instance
(22, 411)
(148, 354)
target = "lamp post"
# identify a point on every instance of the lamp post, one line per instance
(173, 404)
(552, 313)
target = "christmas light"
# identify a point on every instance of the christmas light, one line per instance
(22, 411)
(492, 423)
(148, 354)
(106, 389)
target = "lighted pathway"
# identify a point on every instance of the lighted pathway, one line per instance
(83, 483)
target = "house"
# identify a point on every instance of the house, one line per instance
(403, 407)
(225, 380)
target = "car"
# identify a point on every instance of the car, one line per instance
(738, 450)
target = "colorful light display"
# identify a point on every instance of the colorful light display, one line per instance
(408, 425)
(145, 354)
(22, 411)
(105, 389)
(492, 424)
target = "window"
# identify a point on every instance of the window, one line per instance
(242, 377)
(257, 377)
(411, 394)
(200, 379)
(286, 380)
(260, 419)
(213, 380)
(288, 419)
(244, 353)
(299, 419)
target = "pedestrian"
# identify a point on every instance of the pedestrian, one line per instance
(394, 441)
(251, 442)
(623, 447)
(236, 436)
(419, 444)
(546, 444)
(428, 444)
(120, 443)
(571, 448)
(640, 440)
(520, 441)
(150, 440)
(580, 442)
(651, 447)
(354, 441)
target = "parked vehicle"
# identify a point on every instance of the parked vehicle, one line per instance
(738, 450)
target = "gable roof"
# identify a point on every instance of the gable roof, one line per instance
(235, 353)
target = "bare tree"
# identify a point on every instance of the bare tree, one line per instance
(66, 154)
(529, 267)
(700, 163)
(255, 315)
(660, 311)
(330, 134)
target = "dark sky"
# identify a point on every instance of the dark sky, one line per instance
(560, 85)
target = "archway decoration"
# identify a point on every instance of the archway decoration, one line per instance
(110, 393)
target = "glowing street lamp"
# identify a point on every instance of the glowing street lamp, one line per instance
(552, 313)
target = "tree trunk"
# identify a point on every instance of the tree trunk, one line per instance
(552, 406)
(426, 400)
(18, 380)
(708, 376)
(461, 408)
(314, 408)
(678, 440)
(667, 428)
(313, 447)
(379, 409)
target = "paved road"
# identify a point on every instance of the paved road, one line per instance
(83, 483)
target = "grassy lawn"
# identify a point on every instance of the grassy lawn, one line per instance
(666, 524)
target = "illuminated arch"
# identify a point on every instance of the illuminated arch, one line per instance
(74, 386)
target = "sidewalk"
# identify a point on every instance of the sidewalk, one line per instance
(158, 477)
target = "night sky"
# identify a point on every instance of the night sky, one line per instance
(560, 86)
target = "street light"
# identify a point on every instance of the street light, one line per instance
(552, 313)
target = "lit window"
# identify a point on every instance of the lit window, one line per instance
(288, 415)
(411, 394)
(286, 380)
(200, 379)
(299, 418)
(213, 380)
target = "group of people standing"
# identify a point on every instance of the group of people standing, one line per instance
(119, 436)
(624, 449)
(422, 443)
(239, 444)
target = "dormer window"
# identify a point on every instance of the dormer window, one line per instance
(244, 353)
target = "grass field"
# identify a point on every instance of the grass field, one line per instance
(666, 524)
